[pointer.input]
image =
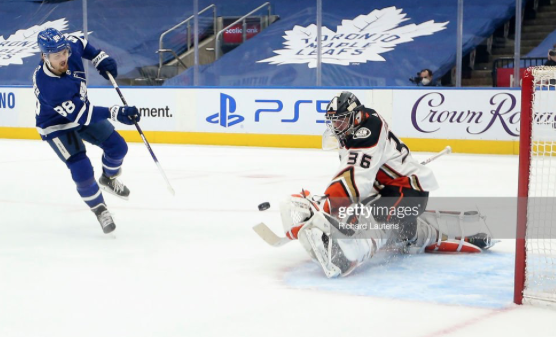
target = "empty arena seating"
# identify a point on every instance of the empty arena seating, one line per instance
(364, 43)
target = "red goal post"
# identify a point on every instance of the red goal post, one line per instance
(535, 267)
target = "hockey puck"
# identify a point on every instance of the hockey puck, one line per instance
(264, 206)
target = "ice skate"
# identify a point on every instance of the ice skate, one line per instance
(114, 186)
(104, 218)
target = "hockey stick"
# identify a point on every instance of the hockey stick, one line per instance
(276, 241)
(269, 237)
(168, 185)
(446, 150)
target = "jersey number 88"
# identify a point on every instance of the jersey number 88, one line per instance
(65, 108)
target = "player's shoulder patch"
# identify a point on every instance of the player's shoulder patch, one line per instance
(77, 40)
(362, 132)
(368, 134)
(71, 38)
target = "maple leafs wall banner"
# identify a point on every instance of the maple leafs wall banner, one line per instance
(364, 43)
(354, 41)
(23, 43)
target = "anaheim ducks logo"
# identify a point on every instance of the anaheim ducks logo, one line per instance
(362, 133)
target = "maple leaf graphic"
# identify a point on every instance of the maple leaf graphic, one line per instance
(359, 40)
(23, 43)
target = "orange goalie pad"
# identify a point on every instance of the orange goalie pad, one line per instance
(453, 246)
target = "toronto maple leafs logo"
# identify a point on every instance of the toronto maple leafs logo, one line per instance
(24, 42)
(355, 41)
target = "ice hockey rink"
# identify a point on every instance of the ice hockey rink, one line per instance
(191, 265)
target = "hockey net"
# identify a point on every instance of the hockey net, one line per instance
(535, 274)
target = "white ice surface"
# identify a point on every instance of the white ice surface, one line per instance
(190, 265)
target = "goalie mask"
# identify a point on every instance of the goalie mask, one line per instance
(343, 114)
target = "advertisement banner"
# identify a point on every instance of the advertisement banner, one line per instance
(17, 107)
(457, 114)
(161, 110)
(265, 111)
(9, 108)
(158, 108)
(234, 34)
(544, 116)
(440, 113)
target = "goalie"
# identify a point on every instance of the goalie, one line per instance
(376, 200)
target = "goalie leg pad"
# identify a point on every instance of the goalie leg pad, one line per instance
(338, 256)
(454, 232)
(351, 253)
(311, 240)
(453, 246)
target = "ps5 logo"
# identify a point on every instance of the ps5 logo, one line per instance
(225, 117)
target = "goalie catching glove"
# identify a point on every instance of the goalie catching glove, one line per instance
(296, 211)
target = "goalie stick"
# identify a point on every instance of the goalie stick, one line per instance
(269, 236)
(447, 150)
(274, 240)
(168, 185)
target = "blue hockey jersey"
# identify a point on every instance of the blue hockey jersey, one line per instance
(62, 103)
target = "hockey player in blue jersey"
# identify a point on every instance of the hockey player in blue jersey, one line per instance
(65, 117)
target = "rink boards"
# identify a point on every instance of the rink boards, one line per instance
(469, 120)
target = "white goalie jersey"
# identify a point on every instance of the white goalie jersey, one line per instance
(373, 157)
(376, 169)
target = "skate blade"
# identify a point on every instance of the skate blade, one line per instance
(109, 229)
(106, 189)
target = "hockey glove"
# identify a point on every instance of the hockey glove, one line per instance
(125, 114)
(104, 63)
(300, 210)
